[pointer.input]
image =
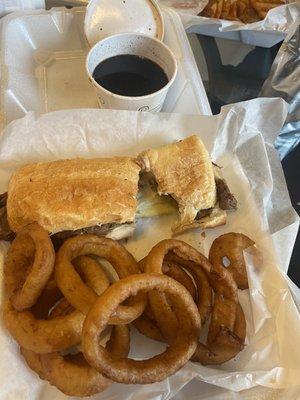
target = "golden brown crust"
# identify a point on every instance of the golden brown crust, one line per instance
(73, 194)
(183, 170)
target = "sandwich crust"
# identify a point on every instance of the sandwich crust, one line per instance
(184, 171)
(73, 194)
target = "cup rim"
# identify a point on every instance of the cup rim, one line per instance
(132, 98)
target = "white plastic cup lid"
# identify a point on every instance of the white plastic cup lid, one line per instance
(108, 17)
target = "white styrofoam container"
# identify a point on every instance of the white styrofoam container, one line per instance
(264, 33)
(253, 37)
(42, 65)
(8, 6)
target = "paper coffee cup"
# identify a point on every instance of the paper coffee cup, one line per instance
(133, 44)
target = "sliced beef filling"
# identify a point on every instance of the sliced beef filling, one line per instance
(5, 232)
(203, 213)
(60, 237)
(147, 178)
(3, 199)
(226, 199)
(114, 231)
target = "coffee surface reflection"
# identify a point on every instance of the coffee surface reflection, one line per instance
(130, 75)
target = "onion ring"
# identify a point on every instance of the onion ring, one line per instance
(240, 326)
(78, 293)
(34, 362)
(43, 335)
(61, 309)
(162, 311)
(93, 276)
(148, 327)
(29, 265)
(175, 272)
(172, 270)
(155, 258)
(20, 257)
(223, 317)
(221, 328)
(49, 297)
(229, 343)
(228, 346)
(126, 370)
(92, 272)
(71, 374)
(232, 245)
(146, 323)
(204, 292)
(221, 334)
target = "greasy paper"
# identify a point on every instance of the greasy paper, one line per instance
(278, 19)
(240, 140)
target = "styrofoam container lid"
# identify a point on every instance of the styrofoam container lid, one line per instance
(108, 17)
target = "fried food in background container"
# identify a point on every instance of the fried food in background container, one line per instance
(252, 22)
(246, 11)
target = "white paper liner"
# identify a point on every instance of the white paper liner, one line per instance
(240, 139)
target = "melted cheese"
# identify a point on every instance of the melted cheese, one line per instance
(151, 204)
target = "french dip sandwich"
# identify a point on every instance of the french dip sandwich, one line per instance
(105, 196)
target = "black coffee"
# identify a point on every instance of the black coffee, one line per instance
(130, 75)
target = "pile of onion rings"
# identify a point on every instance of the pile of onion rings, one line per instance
(216, 298)
(59, 306)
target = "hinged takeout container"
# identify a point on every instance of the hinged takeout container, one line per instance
(109, 17)
(42, 65)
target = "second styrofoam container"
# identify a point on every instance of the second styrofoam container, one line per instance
(253, 37)
(265, 33)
